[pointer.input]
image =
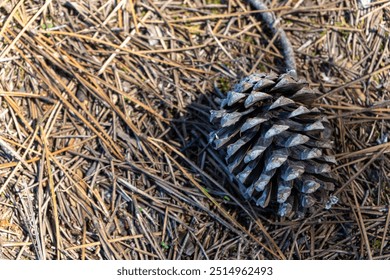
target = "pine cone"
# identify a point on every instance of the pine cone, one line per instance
(277, 146)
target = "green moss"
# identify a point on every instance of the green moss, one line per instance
(21, 74)
(224, 84)
(126, 70)
(382, 46)
(344, 34)
(248, 39)
(261, 67)
(228, 64)
(387, 190)
(376, 244)
(194, 28)
(377, 79)
(215, 2)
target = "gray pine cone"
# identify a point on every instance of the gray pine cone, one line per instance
(276, 145)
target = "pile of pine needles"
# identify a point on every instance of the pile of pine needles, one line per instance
(104, 109)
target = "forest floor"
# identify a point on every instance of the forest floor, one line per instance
(104, 128)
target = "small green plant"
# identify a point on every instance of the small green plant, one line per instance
(47, 25)
(164, 245)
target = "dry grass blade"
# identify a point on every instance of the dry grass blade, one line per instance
(53, 198)
(104, 123)
(20, 34)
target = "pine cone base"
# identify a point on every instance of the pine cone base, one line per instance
(277, 146)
